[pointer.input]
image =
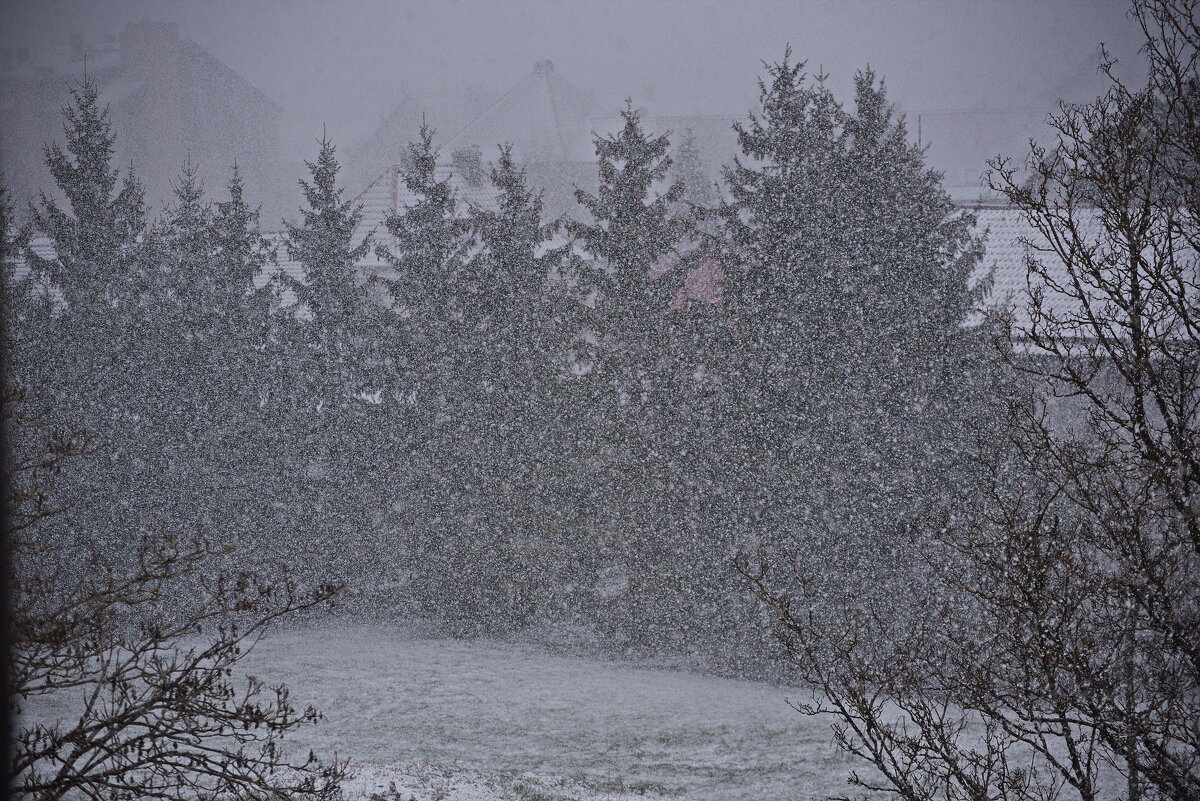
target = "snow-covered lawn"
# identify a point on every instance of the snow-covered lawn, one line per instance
(481, 721)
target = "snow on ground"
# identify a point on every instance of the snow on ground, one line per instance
(484, 721)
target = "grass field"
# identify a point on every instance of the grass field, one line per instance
(481, 721)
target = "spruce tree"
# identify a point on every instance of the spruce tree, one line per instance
(180, 391)
(521, 424)
(511, 262)
(432, 290)
(852, 294)
(332, 347)
(513, 325)
(242, 253)
(98, 270)
(336, 302)
(187, 253)
(688, 169)
(86, 367)
(625, 398)
(429, 281)
(632, 228)
(95, 238)
(26, 307)
(253, 359)
(443, 308)
(211, 360)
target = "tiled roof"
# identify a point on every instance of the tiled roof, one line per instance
(1009, 242)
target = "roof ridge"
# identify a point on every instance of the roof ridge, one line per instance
(495, 104)
(385, 174)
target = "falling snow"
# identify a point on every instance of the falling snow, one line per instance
(576, 449)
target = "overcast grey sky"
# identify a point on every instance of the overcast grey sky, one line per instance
(345, 63)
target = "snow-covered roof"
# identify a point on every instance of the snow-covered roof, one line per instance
(1008, 242)
(1008, 238)
(543, 116)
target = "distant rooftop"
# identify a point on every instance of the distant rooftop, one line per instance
(544, 117)
(1007, 246)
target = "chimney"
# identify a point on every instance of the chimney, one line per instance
(6, 59)
(76, 48)
(22, 55)
(468, 162)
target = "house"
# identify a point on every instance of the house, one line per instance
(547, 120)
(170, 101)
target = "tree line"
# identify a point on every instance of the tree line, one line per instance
(511, 424)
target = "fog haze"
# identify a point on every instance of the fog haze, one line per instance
(345, 65)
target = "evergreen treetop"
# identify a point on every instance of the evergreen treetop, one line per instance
(95, 237)
(242, 251)
(633, 226)
(511, 237)
(430, 241)
(688, 170)
(837, 210)
(324, 246)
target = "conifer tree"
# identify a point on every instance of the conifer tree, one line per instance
(187, 253)
(443, 306)
(211, 359)
(857, 373)
(123, 626)
(332, 349)
(688, 169)
(511, 262)
(86, 363)
(632, 227)
(625, 398)
(436, 296)
(95, 238)
(336, 302)
(253, 362)
(25, 304)
(430, 283)
(179, 389)
(431, 288)
(98, 265)
(520, 423)
(1061, 623)
(241, 255)
(515, 321)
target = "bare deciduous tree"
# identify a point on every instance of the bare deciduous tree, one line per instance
(122, 678)
(1059, 653)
